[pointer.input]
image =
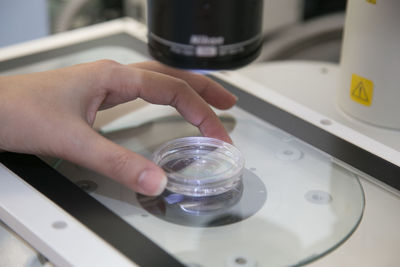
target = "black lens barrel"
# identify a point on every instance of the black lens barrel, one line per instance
(205, 34)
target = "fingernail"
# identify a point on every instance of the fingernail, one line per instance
(236, 97)
(152, 182)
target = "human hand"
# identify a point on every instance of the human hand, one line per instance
(51, 113)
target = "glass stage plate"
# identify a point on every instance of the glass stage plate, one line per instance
(296, 203)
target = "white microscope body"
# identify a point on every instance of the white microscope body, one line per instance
(370, 62)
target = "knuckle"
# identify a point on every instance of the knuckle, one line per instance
(182, 86)
(140, 77)
(207, 85)
(106, 63)
(105, 70)
(105, 67)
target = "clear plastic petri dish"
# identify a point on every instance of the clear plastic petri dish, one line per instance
(200, 166)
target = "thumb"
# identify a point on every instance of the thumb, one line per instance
(126, 167)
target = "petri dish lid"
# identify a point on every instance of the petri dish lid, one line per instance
(200, 166)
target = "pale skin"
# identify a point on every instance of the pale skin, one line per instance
(51, 113)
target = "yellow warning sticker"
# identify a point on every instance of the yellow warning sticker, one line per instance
(361, 90)
(371, 1)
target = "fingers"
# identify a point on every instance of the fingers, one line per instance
(89, 149)
(129, 83)
(209, 90)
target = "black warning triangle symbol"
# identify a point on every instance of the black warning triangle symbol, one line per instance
(360, 92)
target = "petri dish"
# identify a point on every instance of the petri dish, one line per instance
(200, 166)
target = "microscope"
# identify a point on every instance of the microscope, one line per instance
(226, 34)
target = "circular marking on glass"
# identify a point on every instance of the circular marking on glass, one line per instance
(289, 153)
(326, 122)
(324, 70)
(59, 225)
(241, 261)
(318, 197)
(87, 185)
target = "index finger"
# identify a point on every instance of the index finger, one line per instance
(127, 83)
(211, 91)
